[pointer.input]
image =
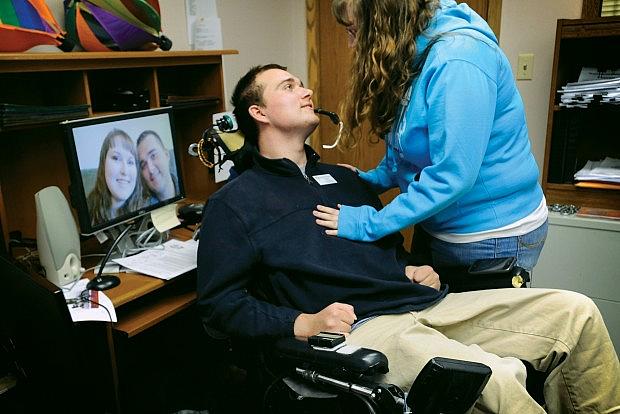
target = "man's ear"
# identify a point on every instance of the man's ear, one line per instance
(257, 113)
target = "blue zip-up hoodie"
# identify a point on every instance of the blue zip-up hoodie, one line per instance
(459, 151)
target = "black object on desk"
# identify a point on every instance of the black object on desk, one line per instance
(41, 343)
(191, 213)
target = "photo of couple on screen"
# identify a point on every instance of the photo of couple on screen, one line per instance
(126, 165)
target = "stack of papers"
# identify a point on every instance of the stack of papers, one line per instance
(172, 259)
(607, 171)
(592, 86)
(12, 116)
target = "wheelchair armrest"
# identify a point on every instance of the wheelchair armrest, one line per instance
(461, 278)
(361, 362)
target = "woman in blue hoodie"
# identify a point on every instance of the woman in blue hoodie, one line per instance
(431, 80)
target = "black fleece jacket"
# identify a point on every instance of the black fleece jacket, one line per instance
(262, 259)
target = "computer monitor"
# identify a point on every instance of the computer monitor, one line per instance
(122, 167)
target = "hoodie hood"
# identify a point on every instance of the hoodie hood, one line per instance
(452, 17)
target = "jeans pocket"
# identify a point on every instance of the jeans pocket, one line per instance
(534, 239)
(530, 246)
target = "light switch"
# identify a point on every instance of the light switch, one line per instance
(525, 66)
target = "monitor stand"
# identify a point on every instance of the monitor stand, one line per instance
(126, 242)
(143, 236)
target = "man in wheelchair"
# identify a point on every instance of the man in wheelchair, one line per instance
(259, 234)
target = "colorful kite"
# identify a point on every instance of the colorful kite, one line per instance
(28, 23)
(106, 25)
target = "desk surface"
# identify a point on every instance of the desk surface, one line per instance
(168, 299)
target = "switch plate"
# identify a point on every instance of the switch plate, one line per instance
(525, 66)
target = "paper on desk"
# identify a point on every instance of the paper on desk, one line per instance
(85, 310)
(174, 259)
(165, 218)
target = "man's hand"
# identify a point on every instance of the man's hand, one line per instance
(424, 275)
(337, 317)
(328, 218)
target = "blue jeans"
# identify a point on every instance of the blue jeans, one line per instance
(525, 248)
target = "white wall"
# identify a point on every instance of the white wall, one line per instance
(263, 31)
(528, 26)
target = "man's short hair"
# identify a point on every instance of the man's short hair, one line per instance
(248, 93)
(148, 132)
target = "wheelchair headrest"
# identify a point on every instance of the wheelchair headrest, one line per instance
(223, 142)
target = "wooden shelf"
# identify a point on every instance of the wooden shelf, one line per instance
(34, 156)
(47, 62)
(576, 135)
(140, 319)
(589, 197)
(589, 28)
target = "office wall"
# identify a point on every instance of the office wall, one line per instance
(275, 31)
(264, 31)
(528, 26)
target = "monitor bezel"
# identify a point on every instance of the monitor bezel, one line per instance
(76, 190)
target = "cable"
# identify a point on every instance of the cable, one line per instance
(68, 288)
(143, 241)
(85, 297)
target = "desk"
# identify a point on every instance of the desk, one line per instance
(142, 302)
(135, 286)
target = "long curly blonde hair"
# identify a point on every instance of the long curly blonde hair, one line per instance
(382, 66)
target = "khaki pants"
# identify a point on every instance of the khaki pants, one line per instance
(558, 332)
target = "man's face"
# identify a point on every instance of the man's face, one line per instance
(286, 102)
(154, 163)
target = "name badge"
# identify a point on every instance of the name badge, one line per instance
(324, 179)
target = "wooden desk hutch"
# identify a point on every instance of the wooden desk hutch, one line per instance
(575, 135)
(33, 156)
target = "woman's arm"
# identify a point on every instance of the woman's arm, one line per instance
(461, 107)
(379, 178)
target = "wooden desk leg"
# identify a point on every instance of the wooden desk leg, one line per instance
(113, 366)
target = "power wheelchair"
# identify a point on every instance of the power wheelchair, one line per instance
(293, 376)
(289, 375)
